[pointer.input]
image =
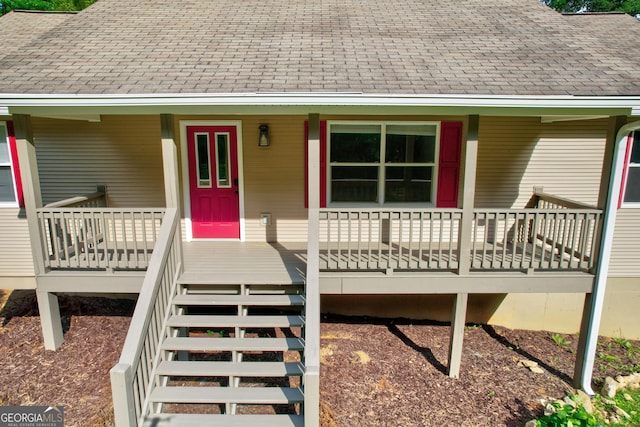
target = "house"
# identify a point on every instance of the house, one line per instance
(469, 161)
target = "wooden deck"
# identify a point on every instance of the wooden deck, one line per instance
(244, 262)
(285, 263)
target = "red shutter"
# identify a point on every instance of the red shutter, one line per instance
(323, 164)
(627, 159)
(15, 164)
(449, 164)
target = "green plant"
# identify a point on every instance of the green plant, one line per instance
(631, 407)
(560, 340)
(567, 415)
(214, 333)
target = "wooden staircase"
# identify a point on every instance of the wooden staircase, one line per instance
(233, 356)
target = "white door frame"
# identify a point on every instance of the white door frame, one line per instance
(185, 172)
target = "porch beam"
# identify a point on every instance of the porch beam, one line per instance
(468, 194)
(312, 305)
(458, 319)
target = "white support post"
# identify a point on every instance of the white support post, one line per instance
(123, 403)
(170, 168)
(30, 185)
(458, 318)
(312, 305)
(468, 195)
(170, 162)
(50, 320)
(47, 302)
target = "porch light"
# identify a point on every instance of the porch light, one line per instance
(263, 136)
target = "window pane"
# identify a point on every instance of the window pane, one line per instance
(632, 193)
(204, 167)
(355, 143)
(4, 146)
(7, 192)
(222, 148)
(354, 184)
(410, 148)
(635, 150)
(408, 183)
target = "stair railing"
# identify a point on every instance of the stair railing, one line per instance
(133, 378)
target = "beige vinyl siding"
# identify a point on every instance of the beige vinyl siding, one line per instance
(15, 247)
(625, 254)
(517, 153)
(274, 180)
(122, 152)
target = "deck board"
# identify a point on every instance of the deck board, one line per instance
(245, 262)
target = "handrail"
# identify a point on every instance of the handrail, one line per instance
(133, 377)
(97, 199)
(558, 201)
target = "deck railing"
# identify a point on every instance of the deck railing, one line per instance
(133, 378)
(554, 234)
(92, 200)
(380, 239)
(539, 239)
(98, 238)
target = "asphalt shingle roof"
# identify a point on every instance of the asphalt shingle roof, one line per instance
(502, 47)
(19, 28)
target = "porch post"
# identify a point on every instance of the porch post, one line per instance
(459, 315)
(30, 185)
(170, 162)
(591, 309)
(457, 334)
(468, 195)
(312, 305)
(47, 301)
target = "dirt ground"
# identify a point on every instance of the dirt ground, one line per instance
(375, 372)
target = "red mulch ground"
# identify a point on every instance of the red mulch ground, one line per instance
(375, 372)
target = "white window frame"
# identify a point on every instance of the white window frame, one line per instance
(10, 164)
(381, 164)
(628, 165)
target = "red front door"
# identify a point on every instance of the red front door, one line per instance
(213, 181)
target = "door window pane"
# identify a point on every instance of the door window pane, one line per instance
(7, 192)
(202, 159)
(408, 183)
(354, 184)
(222, 159)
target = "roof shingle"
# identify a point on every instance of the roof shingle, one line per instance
(501, 47)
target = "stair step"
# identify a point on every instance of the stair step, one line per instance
(241, 395)
(199, 420)
(253, 300)
(233, 344)
(197, 321)
(236, 369)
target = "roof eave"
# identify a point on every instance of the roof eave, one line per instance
(22, 103)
